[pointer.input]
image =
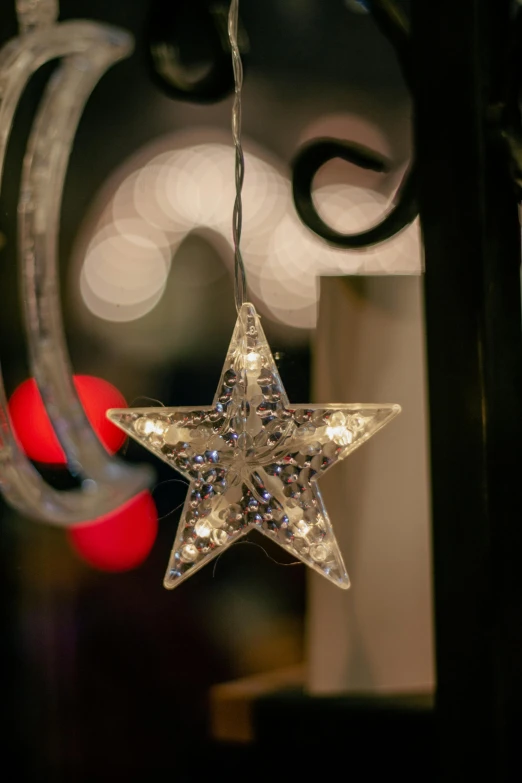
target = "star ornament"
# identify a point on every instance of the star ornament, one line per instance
(253, 460)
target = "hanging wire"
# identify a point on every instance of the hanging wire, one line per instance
(237, 218)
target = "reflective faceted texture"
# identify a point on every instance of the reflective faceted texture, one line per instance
(253, 460)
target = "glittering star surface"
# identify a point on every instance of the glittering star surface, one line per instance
(253, 460)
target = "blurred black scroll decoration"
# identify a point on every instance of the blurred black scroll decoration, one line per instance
(189, 59)
(188, 51)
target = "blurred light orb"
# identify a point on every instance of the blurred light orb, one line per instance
(33, 428)
(126, 265)
(348, 208)
(121, 540)
(127, 262)
(109, 311)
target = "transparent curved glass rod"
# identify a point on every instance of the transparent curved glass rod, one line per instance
(34, 14)
(88, 50)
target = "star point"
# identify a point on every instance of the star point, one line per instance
(253, 460)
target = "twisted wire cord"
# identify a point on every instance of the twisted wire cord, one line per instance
(237, 218)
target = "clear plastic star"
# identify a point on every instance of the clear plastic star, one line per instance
(253, 460)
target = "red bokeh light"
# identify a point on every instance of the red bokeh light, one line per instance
(33, 428)
(118, 541)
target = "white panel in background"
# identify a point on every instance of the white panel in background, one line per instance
(377, 636)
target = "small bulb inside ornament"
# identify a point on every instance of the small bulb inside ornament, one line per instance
(358, 422)
(301, 528)
(189, 553)
(203, 528)
(337, 419)
(319, 553)
(146, 426)
(219, 537)
(176, 434)
(300, 545)
(340, 435)
(253, 362)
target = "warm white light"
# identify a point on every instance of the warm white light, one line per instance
(340, 435)
(219, 537)
(194, 186)
(349, 210)
(125, 269)
(145, 426)
(149, 199)
(337, 429)
(288, 282)
(301, 528)
(203, 528)
(127, 263)
(253, 362)
(189, 553)
(108, 311)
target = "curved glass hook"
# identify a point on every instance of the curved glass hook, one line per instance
(88, 50)
(311, 157)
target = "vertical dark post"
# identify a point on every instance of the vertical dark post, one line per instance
(472, 293)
